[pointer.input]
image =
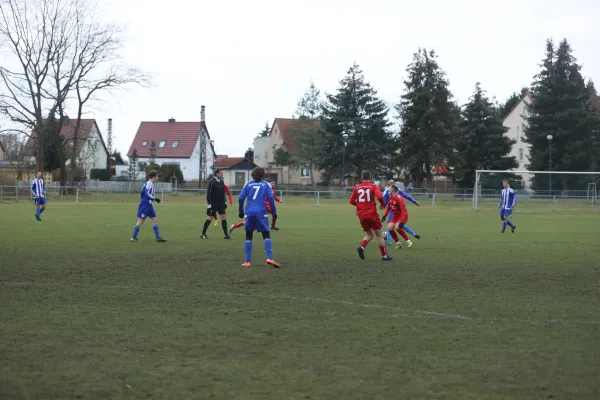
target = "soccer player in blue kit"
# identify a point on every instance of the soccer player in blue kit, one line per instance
(256, 217)
(506, 205)
(146, 209)
(38, 191)
(386, 197)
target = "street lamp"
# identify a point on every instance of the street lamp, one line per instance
(549, 137)
(345, 138)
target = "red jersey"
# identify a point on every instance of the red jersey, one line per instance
(396, 205)
(363, 197)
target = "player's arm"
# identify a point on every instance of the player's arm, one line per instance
(386, 197)
(150, 191)
(409, 197)
(387, 210)
(500, 203)
(242, 198)
(228, 194)
(353, 196)
(209, 191)
(379, 196)
(271, 199)
(513, 200)
(33, 189)
(277, 199)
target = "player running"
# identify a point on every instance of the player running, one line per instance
(506, 206)
(363, 198)
(386, 196)
(274, 216)
(146, 209)
(38, 191)
(397, 208)
(257, 192)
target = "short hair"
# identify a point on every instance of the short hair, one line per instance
(391, 182)
(258, 173)
(152, 174)
(217, 171)
(394, 188)
(366, 175)
(506, 180)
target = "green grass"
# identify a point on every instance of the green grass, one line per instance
(467, 313)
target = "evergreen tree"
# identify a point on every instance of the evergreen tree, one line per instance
(133, 166)
(118, 158)
(153, 149)
(481, 143)
(561, 107)
(249, 154)
(428, 118)
(356, 113)
(591, 87)
(266, 130)
(306, 134)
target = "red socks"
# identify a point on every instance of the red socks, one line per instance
(394, 236)
(382, 250)
(364, 244)
(238, 225)
(403, 234)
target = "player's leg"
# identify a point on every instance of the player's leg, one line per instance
(42, 206)
(235, 226)
(368, 237)
(37, 209)
(223, 215)
(504, 216)
(211, 214)
(262, 226)
(391, 232)
(159, 238)
(216, 221)
(411, 232)
(400, 230)
(141, 216)
(381, 240)
(248, 245)
(508, 215)
(388, 234)
(273, 222)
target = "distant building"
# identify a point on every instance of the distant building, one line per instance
(236, 170)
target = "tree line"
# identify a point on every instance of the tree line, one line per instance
(353, 129)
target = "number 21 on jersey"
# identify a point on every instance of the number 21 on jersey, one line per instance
(364, 196)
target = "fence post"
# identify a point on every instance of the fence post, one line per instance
(433, 200)
(553, 203)
(17, 193)
(318, 198)
(0, 193)
(162, 194)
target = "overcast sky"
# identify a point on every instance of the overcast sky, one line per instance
(250, 61)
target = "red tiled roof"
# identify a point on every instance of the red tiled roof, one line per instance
(67, 132)
(288, 127)
(187, 133)
(230, 162)
(528, 94)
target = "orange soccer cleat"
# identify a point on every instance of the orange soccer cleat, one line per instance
(273, 263)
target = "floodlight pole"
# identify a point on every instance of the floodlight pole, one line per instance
(549, 137)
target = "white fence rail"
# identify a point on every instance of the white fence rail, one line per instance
(130, 194)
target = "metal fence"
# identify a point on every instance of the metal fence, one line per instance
(128, 192)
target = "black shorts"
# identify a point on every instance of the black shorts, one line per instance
(216, 208)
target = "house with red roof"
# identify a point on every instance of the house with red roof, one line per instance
(175, 143)
(91, 149)
(282, 133)
(236, 170)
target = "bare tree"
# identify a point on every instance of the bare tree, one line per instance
(63, 57)
(14, 146)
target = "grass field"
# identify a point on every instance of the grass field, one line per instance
(467, 313)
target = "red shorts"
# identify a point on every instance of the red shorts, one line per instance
(369, 223)
(269, 210)
(400, 218)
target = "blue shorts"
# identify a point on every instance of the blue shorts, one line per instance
(40, 201)
(505, 213)
(146, 211)
(261, 224)
(389, 218)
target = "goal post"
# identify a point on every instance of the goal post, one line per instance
(539, 190)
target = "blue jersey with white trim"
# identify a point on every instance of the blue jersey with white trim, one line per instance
(257, 192)
(147, 195)
(37, 188)
(508, 199)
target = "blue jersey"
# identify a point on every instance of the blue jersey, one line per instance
(257, 192)
(387, 194)
(508, 199)
(37, 188)
(147, 195)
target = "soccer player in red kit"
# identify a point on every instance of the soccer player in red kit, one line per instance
(399, 212)
(273, 220)
(363, 198)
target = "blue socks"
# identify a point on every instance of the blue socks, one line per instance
(136, 230)
(408, 230)
(37, 212)
(41, 210)
(248, 248)
(156, 232)
(510, 223)
(269, 248)
(504, 223)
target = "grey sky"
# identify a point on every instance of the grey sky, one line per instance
(250, 61)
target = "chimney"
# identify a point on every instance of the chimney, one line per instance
(202, 114)
(171, 119)
(65, 120)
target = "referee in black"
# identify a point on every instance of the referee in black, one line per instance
(215, 199)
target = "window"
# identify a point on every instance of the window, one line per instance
(520, 154)
(518, 133)
(175, 144)
(93, 165)
(142, 166)
(305, 172)
(162, 143)
(145, 143)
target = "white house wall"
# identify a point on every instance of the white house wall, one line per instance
(261, 151)
(516, 122)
